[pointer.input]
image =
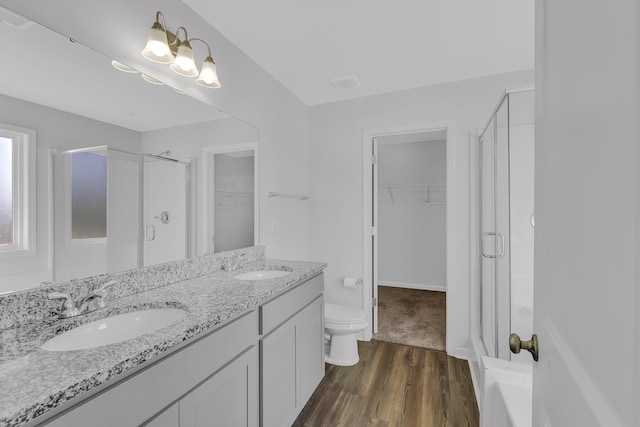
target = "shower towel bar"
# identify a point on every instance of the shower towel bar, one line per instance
(290, 196)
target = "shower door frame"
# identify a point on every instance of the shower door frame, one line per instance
(503, 300)
(500, 258)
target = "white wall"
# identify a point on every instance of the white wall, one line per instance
(521, 196)
(335, 170)
(60, 130)
(411, 233)
(119, 29)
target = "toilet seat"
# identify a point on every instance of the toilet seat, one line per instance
(343, 318)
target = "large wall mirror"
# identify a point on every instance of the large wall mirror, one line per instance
(88, 201)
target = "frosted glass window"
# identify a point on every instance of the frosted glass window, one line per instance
(88, 196)
(6, 191)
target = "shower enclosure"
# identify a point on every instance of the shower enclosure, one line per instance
(115, 211)
(506, 225)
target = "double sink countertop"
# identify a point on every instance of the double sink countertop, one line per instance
(34, 381)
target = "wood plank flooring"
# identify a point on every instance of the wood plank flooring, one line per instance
(394, 385)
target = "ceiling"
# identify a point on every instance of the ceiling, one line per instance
(388, 45)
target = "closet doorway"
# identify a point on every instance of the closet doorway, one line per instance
(407, 222)
(230, 210)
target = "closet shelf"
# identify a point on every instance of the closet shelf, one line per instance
(413, 195)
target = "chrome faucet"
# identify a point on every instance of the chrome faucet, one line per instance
(92, 302)
(232, 263)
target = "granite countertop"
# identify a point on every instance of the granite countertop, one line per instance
(34, 381)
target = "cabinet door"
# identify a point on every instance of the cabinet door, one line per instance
(279, 376)
(310, 348)
(168, 418)
(229, 398)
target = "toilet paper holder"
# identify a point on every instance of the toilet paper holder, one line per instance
(351, 282)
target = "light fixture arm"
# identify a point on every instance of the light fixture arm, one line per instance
(202, 41)
(186, 36)
(160, 19)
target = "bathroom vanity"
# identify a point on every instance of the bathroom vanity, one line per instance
(248, 352)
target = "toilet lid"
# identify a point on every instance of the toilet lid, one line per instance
(342, 314)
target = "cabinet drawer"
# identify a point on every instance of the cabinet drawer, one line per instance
(140, 396)
(278, 310)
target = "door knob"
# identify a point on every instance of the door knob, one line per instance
(515, 344)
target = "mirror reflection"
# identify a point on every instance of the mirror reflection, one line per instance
(77, 198)
(233, 180)
(114, 211)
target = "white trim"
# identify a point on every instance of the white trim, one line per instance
(24, 191)
(368, 134)
(231, 148)
(50, 246)
(475, 380)
(419, 286)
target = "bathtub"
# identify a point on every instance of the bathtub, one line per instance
(506, 393)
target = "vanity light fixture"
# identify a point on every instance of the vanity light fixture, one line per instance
(166, 47)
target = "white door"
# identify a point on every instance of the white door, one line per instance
(587, 219)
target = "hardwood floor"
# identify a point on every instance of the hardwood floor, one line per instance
(394, 385)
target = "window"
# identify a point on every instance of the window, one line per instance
(17, 190)
(88, 196)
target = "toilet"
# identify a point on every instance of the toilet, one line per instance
(341, 325)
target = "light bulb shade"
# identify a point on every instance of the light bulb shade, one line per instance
(184, 63)
(157, 47)
(208, 75)
(152, 80)
(122, 67)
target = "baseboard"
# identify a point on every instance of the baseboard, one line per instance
(462, 353)
(475, 379)
(420, 286)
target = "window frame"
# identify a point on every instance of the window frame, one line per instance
(24, 190)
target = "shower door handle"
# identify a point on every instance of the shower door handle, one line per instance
(499, 235)
(150, 233)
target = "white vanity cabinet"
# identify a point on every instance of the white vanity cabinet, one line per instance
(229, 398)
(291, 351)
(196, 382)
(259, 369)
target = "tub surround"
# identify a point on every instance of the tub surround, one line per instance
(35, 381)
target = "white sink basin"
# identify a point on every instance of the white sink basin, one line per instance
(114, 329)
(262, 275)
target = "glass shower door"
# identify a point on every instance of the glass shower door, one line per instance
(495, 235)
